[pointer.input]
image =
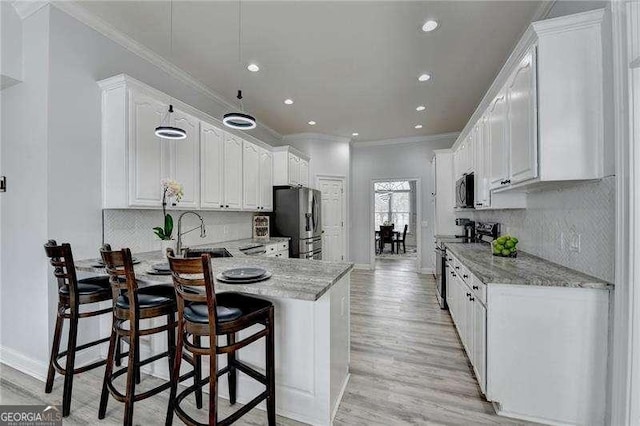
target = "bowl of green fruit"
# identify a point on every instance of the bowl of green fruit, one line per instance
(505, 246)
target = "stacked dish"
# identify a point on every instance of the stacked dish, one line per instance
(100, 264)
(160, 269)
(246, 275)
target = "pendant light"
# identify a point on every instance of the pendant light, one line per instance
(170, 132)
(239, 120)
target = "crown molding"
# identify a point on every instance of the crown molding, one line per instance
(316, 136)
(542, 12)
(412, 139)
(109, 31)
(26, 8)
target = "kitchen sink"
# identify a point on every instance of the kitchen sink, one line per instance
(214, 252)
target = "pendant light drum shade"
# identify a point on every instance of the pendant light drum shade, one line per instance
(168, 132)
(237, 120)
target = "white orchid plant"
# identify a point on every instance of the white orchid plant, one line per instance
(170, 189)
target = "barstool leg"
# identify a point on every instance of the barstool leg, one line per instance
(271, 380)
(197, 368)
(233, 375)
(171, 341)
(118, 352)
(114, 343)
(133, 371)
(70, 363)
(55, 349)
(175, 374)
(137, 351)
(213, 382)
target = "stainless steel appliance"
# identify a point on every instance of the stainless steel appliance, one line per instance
(487, 232)
(297, 215)
(441, 266)
(465, 191)
(469, 229)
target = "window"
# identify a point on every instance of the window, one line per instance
(392, 204)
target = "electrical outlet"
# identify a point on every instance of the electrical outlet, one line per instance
(574, 242)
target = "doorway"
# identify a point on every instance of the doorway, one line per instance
(333, 206)
(395, 223)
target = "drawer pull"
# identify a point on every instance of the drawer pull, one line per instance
(468, 294)
(457, 267)
(465, 276)
(475, 287)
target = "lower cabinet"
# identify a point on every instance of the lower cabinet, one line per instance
(470, 317)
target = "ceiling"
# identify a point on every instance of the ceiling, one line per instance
(349, 66)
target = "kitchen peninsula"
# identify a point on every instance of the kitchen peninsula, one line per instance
(311, 301)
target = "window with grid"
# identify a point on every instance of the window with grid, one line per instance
(392, 204)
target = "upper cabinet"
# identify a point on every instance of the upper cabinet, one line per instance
(290, 167)
(542, 120)
(218, 170)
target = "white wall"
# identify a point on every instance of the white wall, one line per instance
(10, 45)
(24, 293)
(389, 160)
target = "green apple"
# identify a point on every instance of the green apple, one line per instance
(501, 240)
(506, 252)
(499, 247)
(514, 239)
(509, 244)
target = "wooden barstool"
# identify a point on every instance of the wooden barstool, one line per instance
(72, 293)
(130, 305)
(211, 315)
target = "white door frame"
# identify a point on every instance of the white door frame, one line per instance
(343, 179)
(372, 212)
(624, 368)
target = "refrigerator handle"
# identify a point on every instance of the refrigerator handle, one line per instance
(307, 218)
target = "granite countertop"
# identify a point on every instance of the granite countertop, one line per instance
(526, 269)
(291, 278)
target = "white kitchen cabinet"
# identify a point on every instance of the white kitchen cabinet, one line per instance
(212, 167)
(290, 167)
(184, 159)
(546, 110)
(148, 156)
(482, 198)
(497, 139)
(443, 196)
(251, 189)
(522, 120)
(232, 172)
(480, 342)
(266, 180)
(303, 175)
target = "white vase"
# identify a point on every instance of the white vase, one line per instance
(165, 244)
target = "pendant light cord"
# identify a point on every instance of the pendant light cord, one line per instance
(240, 52)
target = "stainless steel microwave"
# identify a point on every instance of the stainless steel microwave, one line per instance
(464, 191)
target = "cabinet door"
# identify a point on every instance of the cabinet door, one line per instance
(470, 157)
(484, 183)
(304, 173)
(498, 141)
(294, 170)
(232, 172)
(266, 180)
(148, 154)
(185, 159)
(250, 176)
(521, 102)
(211, 167)
(478, 154)
(480, 342)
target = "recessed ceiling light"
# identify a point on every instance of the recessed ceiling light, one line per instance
(420, 108)
(253, 68)
(312, 123)
(424, 77)
(355, 134)
(430, 25)
(418, 126)
(288, 101)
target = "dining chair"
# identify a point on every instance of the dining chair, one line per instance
(72, 294)
(386, 237)
(402, 239)
(131, 305)
(208, 316)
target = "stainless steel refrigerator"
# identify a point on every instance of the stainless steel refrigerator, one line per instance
(297, 215)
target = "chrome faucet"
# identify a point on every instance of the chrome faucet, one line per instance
(203, 230)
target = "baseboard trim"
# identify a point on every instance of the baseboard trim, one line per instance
(340, 395)
(24, 364)
(362, 266)
(427, 271)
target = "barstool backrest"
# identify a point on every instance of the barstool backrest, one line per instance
(64, 268)
(122, 277)
(193, 272)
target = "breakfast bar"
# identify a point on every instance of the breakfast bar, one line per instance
(311, 300)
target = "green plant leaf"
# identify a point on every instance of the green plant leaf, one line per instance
(168, 225)
(159, 232)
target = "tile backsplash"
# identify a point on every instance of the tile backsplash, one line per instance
(134, 228)
(554, 219)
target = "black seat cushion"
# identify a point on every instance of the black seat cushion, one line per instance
(150, 297)
(91, 285)
(230, 306)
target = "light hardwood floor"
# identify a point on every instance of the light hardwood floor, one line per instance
(407, 365)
